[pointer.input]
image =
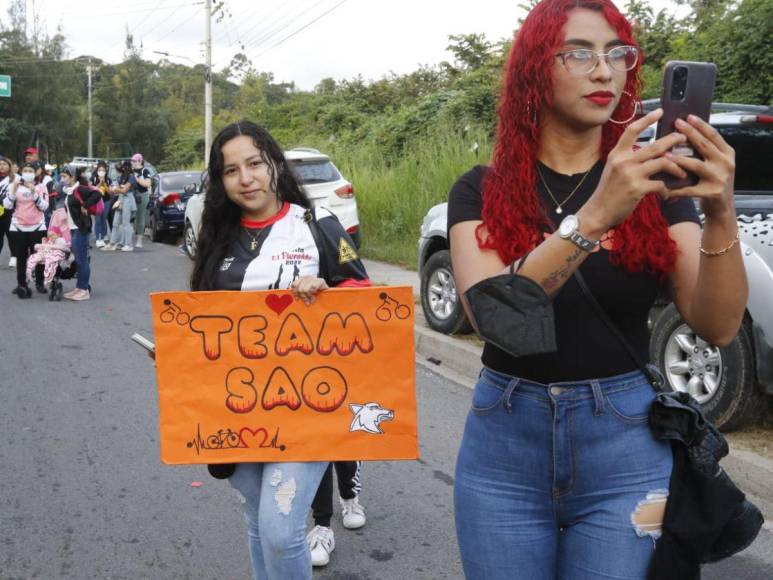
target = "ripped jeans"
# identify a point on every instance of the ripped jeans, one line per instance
(557, 481)
(277, 498)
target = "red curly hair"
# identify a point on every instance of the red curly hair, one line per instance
(513, 217)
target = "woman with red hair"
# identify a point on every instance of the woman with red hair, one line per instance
(558, 474)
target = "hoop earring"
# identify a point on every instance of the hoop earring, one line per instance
(629, 119)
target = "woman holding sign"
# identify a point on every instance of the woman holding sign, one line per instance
(559, 474)
(255, 213)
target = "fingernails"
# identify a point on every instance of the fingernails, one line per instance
(680, 123)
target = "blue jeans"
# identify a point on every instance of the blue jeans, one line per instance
(277, 498)
(80, 249)
(100, 222)
(550, 479)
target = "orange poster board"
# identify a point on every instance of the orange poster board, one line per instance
(261, 376)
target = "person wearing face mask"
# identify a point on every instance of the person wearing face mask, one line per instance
(29, 202)
(142, 176)
(5, 184)
(104, 184)
(80, 197)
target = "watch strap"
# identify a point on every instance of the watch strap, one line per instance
(582, 242)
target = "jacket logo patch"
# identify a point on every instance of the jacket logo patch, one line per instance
(345, 252)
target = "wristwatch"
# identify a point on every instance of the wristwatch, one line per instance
(570, 230)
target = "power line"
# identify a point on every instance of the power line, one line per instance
(284, 19)
(289, 36)
(270, 20)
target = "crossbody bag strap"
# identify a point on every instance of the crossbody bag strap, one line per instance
(311, 219)
(652, 375)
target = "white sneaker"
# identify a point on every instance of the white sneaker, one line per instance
(127, 249)
(12, 263)
(321, 543)
(100, 244)
(353, 513)
(109, 248)
(138, 243)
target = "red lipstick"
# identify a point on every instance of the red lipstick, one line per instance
(601, 98)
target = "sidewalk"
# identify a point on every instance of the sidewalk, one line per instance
(458, 359)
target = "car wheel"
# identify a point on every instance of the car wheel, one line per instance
(721, 379)
(442, 306)
(156, 235)
(189, 241)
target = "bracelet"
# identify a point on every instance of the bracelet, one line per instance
(724, 250)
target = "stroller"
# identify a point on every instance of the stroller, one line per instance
(67, 268)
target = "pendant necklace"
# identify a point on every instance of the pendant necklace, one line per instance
(255, 240)
(558, 210)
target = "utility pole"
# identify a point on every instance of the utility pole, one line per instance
(91, 152)
(208, 84)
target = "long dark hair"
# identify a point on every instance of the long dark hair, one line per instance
(220, 220)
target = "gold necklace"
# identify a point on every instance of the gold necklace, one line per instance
(559, 211)
(255, 239)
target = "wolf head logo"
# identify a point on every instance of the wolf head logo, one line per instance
(367, 417)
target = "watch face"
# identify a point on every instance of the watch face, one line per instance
(568, 225)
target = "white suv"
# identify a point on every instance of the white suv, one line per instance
(319, 179)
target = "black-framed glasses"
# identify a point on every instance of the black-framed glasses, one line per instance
(580, 61)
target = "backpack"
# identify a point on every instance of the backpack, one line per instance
(95, 209)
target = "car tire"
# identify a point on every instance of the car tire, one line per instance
(439, 300)
(156, 235)
(189, 240)
(723, 378)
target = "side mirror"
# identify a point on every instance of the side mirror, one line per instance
(190, 188)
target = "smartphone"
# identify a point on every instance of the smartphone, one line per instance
(688, 89)
(143, 342)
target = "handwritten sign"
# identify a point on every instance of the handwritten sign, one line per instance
(260, 376)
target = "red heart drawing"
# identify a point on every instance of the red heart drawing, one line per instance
(278, 303)
(251, 438)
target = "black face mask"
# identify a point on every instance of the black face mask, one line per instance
(513, 313)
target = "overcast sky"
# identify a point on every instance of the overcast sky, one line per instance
(297, 40)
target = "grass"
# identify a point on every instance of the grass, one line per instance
(393, 197)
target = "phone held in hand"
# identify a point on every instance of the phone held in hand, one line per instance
(688, 89)
(144, 342)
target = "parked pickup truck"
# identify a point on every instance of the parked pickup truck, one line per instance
(729, 382)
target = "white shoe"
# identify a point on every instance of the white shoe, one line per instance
(78, 295)
(101, 244)
(12, 263)
(138, 243)
(321, 543)
(109, 248)
(353, 513)
(127, 249)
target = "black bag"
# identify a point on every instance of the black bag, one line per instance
(513, 313)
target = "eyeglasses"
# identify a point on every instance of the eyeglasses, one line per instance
(582, 61)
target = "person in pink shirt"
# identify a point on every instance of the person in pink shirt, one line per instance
(28, 224)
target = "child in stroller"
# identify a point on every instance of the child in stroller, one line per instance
(53, 256)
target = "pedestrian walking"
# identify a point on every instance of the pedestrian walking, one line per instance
(559, 474)
(29, 202)
(254, 213)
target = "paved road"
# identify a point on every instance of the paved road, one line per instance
(84, 496)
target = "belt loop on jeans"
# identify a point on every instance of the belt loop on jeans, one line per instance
(508, 393)
(598, 397)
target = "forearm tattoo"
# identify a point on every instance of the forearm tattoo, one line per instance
(555, 279)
